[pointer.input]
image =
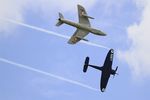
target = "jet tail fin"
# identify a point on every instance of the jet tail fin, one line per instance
(59, 20)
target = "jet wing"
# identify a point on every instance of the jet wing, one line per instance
(83, 18)
(77, 36)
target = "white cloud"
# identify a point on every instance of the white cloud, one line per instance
(110, 5)
(10, 9)
(14, 9)
(63, 4)
(138, 55)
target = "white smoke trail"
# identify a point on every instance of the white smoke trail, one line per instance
(52, 33)
(94, 44)
(48, 74)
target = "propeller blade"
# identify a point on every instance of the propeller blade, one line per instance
(116, 69)
(115, 72)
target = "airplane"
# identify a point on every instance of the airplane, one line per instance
(106, 69)
(83, 27)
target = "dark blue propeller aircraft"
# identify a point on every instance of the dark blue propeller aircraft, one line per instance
(106, 69)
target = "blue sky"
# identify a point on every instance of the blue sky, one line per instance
(122, 20)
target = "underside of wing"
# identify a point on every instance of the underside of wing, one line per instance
(77, 36)
(83, 19)
(104, 82)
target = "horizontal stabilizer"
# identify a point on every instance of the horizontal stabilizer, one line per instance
(86, 64)
(61, 15)
(59, 20)
(59, 23)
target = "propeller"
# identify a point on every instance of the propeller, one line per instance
(114, 72)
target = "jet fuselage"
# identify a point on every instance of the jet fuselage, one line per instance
(83, 27)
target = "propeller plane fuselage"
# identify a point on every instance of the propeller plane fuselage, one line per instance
(106, 69)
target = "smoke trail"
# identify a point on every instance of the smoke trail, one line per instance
(52, 33)
(94, 44)
(48, 74)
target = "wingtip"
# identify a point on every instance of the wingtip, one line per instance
(79, 6)
(70, 42)
(103, 90)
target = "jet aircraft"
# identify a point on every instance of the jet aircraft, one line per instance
(106, 69)
(83, 27)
